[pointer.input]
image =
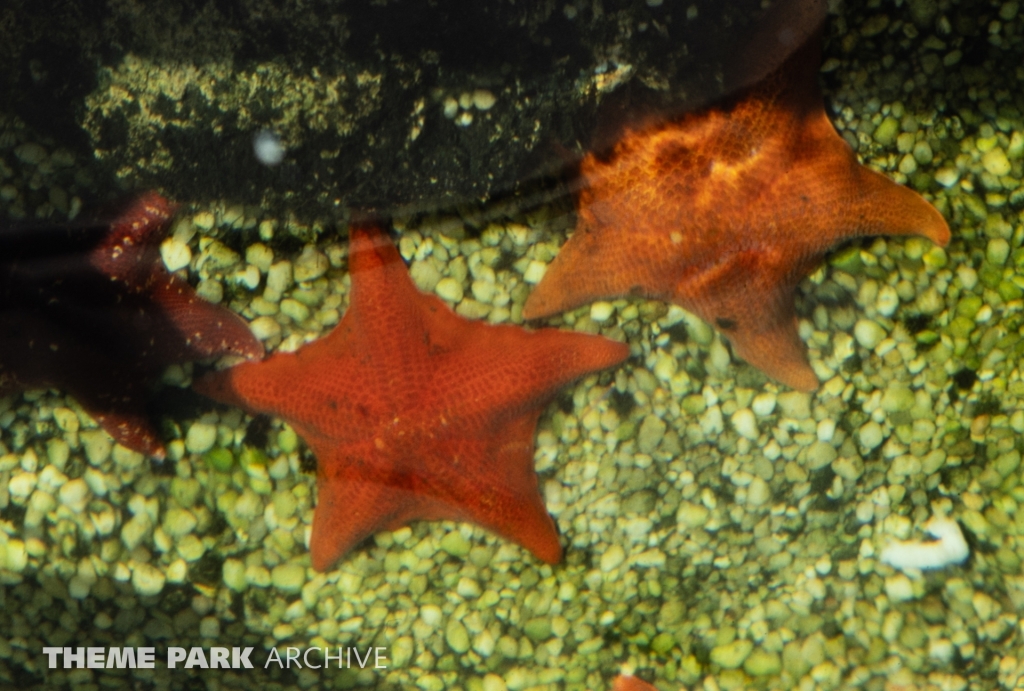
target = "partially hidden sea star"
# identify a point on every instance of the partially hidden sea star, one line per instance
(724, 210)
(90, 308)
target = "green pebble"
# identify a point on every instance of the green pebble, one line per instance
(252, 457)
(663, 643)
(935, 258)
(975, 206)
(641, 502)
(294, 310)
(455, 544)
(284, 504)
(220, 459)
(913, 637)
(1008, 290)
(886, 132)
(897, 397)
(998, 251)
(456, 635)
(732, 655)
(179, 522)
(848, 260)
(1008, 560)
(288, 578)
(820, 454)
(1008, 463)
(430, 682)
(233, 572)
(990, 275)
(287, 439)
(923, 152)
(926, 338)
(651, 432)
(868, 333)
(538, 629)
(694, 404)
(671, 613)
(626, 430)
(995, 162)
(97, 445)
(961, 327)
(690, 515)
(977, 524)
(762, 663)
(186, 491)
(998, 227)
(905, 142)
(968, 306)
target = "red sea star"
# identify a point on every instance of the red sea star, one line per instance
(92, 310)
(416, 413)
(724, 211)
(627, 682)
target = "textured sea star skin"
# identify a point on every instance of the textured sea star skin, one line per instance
(627, 682)
(92, 310)
(724, 211)
(416, 413)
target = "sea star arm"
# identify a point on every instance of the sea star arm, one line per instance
(438, 474)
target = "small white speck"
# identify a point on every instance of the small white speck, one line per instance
(268, 148)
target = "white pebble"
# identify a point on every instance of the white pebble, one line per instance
(483, 99)
(868, 333)
(483, 291)
(763, 404)
(947, 177)
(249, 277)
(310, 265)
(288, 578)
(13, 556)
(691, 515)
(995, 161)
(78, 588)
(719, 356)
(826, 429)
(201, 437)
(887, 301)
(203, 220)
(870, 434)
(22, 484)
(950, 547)
(74, 495)
(612, 558)
(260, 256)
(744, 422)
(431, 615)
(601, 311)
(175, 253)
(449, 289)
(96, 481)
(179, 522)
(535, 272)
(265, 328)
(899, 588)
(135, 530)
(279, 279)
(758, 493)
(147, 579)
